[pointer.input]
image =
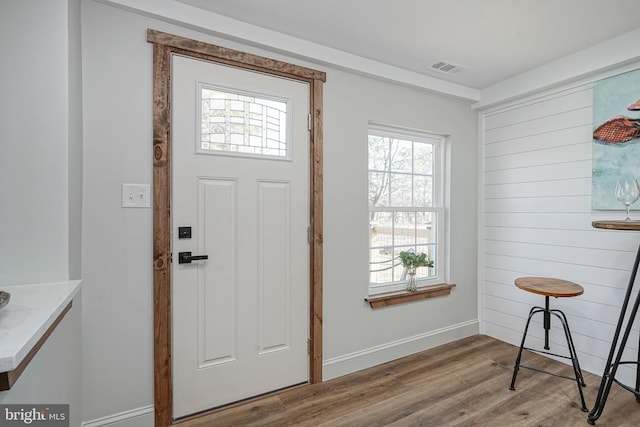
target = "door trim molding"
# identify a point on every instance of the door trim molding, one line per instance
(164, 46)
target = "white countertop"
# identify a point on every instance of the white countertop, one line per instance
(31, 311)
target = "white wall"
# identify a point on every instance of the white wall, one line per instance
(74, 150)
(39, 166)
(117, 243)
(117, 331)
(536, 221)
(34, 131)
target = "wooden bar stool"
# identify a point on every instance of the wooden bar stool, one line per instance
(556, 288)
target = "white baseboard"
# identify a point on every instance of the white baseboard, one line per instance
(359, 360)
(139, 417)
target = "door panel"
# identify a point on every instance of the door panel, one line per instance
(274, 266)
(217, 321)
(239, 318)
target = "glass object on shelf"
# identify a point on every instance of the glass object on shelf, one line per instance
(627, 192)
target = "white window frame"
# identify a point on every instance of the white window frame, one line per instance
(438, 208)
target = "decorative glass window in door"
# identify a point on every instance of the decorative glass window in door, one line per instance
(242, 123)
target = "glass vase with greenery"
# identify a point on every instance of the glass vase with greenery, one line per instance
(411, 261)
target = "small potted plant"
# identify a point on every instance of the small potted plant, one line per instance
(411, 261)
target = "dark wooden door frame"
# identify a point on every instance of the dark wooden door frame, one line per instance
(164, 46)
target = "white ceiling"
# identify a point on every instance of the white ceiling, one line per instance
(492, 39)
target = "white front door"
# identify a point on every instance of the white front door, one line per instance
(240, 181)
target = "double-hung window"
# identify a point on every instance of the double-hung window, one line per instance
(406, 205)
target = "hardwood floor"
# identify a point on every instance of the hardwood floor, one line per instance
(464, 383)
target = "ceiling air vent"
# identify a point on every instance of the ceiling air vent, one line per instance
(447, 67)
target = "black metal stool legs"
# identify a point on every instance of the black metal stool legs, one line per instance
(610, 369)
(546, 312)
(638, 375)
(572, 348)
(574, 358)
(516, 368)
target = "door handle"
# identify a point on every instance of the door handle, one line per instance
(186, 257)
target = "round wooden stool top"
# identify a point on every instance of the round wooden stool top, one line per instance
(549, 287)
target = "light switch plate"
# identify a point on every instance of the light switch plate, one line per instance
(136, 196)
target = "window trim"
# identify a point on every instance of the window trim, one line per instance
(439, 202)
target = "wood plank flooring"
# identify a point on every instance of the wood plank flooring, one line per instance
(464, 383)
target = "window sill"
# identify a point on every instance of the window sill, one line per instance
(401, 297)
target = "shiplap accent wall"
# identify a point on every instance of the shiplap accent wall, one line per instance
(535, 220)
